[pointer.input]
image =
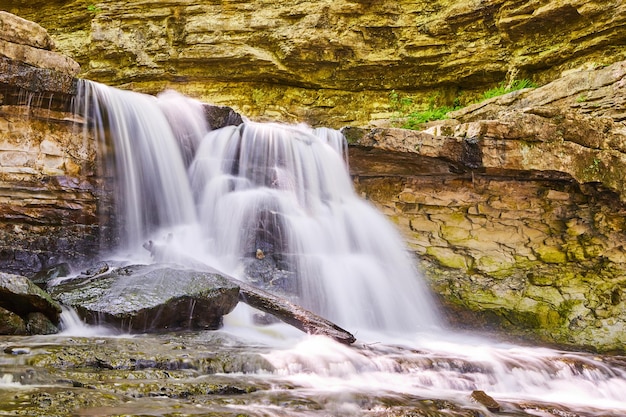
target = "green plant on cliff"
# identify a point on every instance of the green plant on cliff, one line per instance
(93, 8)
(412, 118)
(504, 88)
(415, 119)
(399, 104)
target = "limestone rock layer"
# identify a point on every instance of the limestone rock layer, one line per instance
(48, 208)
(330, 62)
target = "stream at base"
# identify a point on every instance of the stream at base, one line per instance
(247, 370)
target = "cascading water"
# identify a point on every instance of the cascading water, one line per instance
(284, 190)
(227, 196)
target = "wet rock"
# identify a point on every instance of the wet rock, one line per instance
(99, 268)
(11, 323)
(21, 296)
(152, 298)
(47, 204)
(38, 323)
(42, 277)
(482, 398)
(19, 75)
(266, 272)
(221, 116)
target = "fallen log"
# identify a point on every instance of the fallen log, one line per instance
(292, 314)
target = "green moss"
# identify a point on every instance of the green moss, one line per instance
(521, 319)
(415, 118)
(448, 258)
(547, 317)
(551, 255)
(496, 266)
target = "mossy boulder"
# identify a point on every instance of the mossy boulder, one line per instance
(21, 300)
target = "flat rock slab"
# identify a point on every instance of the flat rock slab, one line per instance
(39, 58)
(17, 30)
(142, 298)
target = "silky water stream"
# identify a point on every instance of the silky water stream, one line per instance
(234, 196)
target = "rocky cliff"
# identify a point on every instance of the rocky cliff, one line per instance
(329, 62)
(48, 186)
(515, 207)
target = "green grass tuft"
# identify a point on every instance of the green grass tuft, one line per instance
(503, 88)
(414, 119)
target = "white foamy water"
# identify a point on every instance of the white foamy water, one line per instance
(72, 325)
(218, 197)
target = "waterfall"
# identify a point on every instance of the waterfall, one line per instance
(234, 196)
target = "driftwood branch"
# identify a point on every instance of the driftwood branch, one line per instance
(292, 314)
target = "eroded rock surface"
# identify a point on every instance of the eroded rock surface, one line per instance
(515, 207)
(48, 208)
(330, 62)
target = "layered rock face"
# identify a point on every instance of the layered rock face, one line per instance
(516, 207)
(330, 62)
(48, 207)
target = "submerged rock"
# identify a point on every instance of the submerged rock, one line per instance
(24, 302)
(143, 298)
(481, 397)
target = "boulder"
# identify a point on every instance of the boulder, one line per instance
(153, 298)
(22, 297)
